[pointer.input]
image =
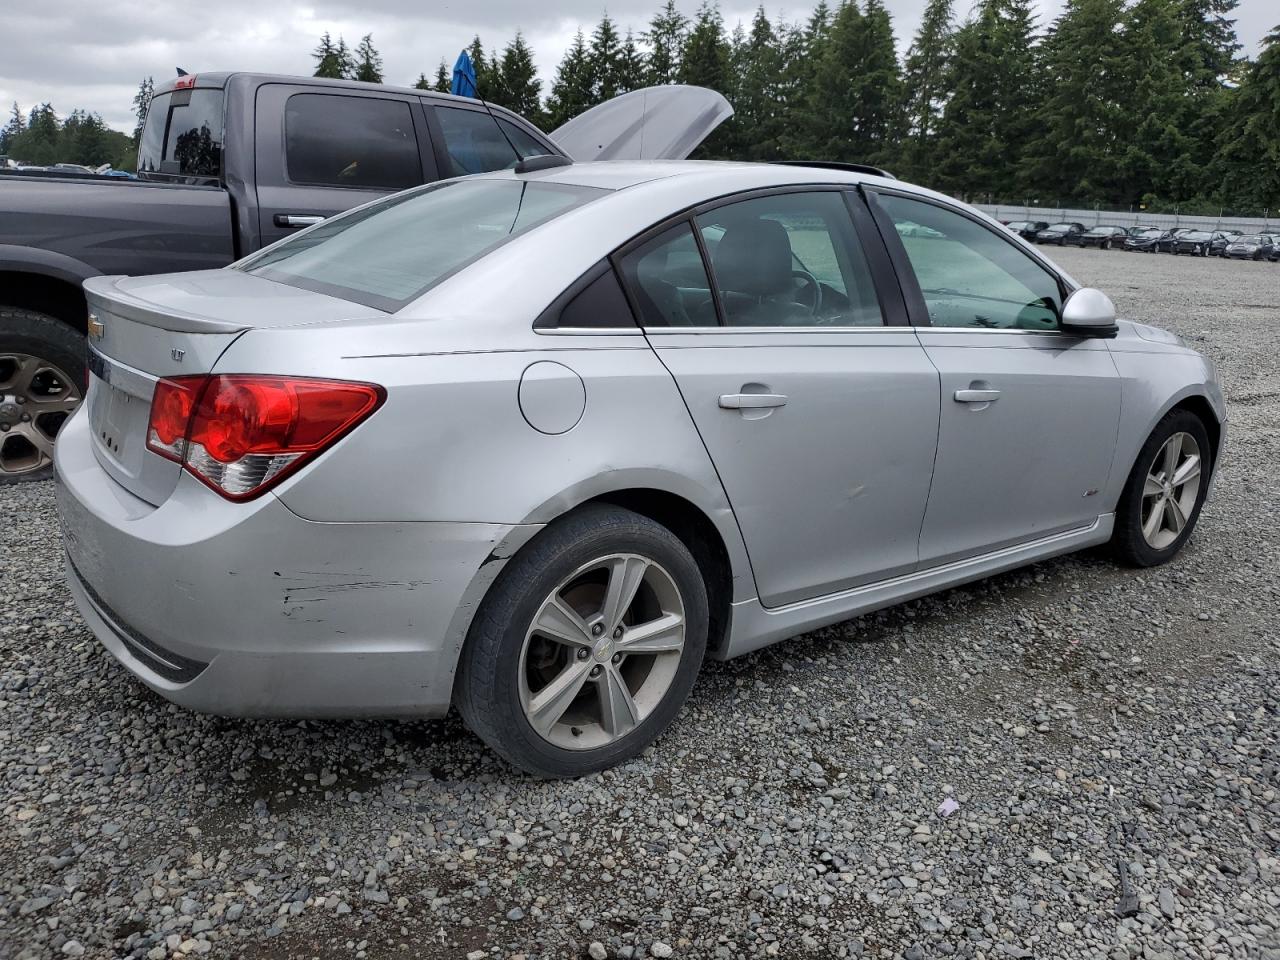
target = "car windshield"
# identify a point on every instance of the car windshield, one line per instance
(391, 251)
(1151, 233)
(1063, 226)
(1197, 235)
(1254, 240)
(1101, 231)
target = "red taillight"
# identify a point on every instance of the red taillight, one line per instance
(243, 433)
(185, 82)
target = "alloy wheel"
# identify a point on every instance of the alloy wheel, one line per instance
(36, 397)
(1170, 491)
(602, 651)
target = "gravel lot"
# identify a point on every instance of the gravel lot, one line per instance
(1082, 718)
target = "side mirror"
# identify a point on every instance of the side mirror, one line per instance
(1089, 313)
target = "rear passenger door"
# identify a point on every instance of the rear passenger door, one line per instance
(320, 151)
(473, 140)
(781, 323)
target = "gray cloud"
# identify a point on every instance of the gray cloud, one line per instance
(83, 53)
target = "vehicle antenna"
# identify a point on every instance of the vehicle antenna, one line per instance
(494, 118)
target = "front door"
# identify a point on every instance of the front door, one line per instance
(1029, 413)
(820, 418)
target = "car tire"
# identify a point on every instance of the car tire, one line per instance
(509, 669)
(1106, 245)
(1139, 539)
(26, 439)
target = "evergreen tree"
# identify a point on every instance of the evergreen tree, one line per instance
(632, 68)
(345, 60)
(141, 101)
(519, 88)
(665, 39)
(758, 118)
(1251, 153)
(329, 62)
(368, 64)
(444, 78)
(603, 61)
(1081, 126)
(570, 89)
(925, 87)
(486, 73)
(856, 97)
(12, 130)
(704, 61)
(422, 83)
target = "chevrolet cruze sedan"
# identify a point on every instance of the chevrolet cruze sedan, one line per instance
(534, 444)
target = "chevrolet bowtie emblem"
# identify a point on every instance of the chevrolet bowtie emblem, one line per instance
(97, 329)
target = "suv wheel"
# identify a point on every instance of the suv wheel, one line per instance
(42, 375)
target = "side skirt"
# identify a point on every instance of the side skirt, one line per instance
(754, 626)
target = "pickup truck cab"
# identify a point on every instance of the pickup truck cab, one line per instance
(231, 162)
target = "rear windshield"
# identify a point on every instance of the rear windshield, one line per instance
(182, 137)
(392, 251)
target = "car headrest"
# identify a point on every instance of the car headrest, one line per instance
(754, 257)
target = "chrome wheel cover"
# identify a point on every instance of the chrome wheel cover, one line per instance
(36, 397)
(1170, 490)
(602, 651)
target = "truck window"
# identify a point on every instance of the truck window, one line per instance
(339, 141)
(182, 136)
(475, 144)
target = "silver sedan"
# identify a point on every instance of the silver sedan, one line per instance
(533, 444)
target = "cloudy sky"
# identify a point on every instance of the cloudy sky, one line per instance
(90, 54)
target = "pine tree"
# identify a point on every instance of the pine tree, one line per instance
(632, 68)
(486, 73)
(345, 60)
(1075, 156)
(368, 64)
(329, 61)
(704, 61)
(603, 56)
(1250, 162)
(422, 83)
(758, 119)
(924, 82)
(444, 78)
(141, 101)
(665, 39)
(569, 90)
(519, 88)
(13, 129)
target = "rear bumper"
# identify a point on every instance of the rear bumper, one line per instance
(250, 610)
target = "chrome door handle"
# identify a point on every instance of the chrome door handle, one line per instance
(295, 220)
(977, 396)
(751, 401)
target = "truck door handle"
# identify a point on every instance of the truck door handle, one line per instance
(977, 396)
(751, 401)
(296, 220)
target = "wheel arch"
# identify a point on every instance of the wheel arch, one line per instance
(46, 282)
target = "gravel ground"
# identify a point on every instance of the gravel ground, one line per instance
(1106, 737)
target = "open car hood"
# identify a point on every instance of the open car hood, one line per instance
(654, 123)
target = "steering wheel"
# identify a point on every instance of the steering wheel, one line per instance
(809, 280)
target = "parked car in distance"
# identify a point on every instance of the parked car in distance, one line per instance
(1027, 229)
(1140, 229)
(1257, 246)
(1166, 242)
(297, 150)
(1196, 242)
(256, 519)
(1059, 232)
(1218, 247)
(1104, 237)
(1147, 241)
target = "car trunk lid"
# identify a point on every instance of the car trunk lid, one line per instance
(142, 329)
(654, 123)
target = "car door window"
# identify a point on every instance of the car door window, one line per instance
(971, 276)
(668, 280)
(790, 260)
(477, 142)
(341, 141)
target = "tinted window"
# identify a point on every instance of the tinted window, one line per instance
(1065, 227)
(182, 136)
(789, 260)
(476, 144)
(351, 142)
(601, 303)
(387, 253)
(972, 276)
(669, 281)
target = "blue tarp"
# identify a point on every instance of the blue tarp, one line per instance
(464, 77)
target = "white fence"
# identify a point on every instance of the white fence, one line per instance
(1167, 221)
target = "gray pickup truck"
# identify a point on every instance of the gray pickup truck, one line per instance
(230, 162)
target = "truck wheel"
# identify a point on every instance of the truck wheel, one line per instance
(42, 377)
